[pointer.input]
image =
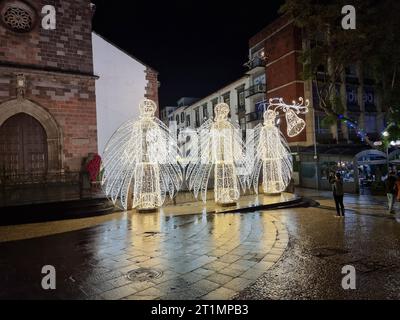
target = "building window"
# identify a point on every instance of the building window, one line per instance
(370, 123)
(369, 96)
(368, 73)
(177, 119)
(320, 125)
(188, 120)
(226, 97)
(259, 79)
(197, 116)
(214, 102)
(18, 16)
(182, 117)
(205, 112)
(351, 93)
(351, 70)
(241, 100)
(352, 131)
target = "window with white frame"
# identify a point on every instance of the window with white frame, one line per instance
(205, 111)
(197, 117)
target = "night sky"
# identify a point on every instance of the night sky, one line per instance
(196, 46)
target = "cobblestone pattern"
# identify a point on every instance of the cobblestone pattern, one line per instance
(201, 257)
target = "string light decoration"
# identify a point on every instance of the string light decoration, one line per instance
(351, 124)
(295, 124)
(221, 147)
(272, 155)
(140, 162)
(271, 151)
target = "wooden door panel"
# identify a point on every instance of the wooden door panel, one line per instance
(23, 145)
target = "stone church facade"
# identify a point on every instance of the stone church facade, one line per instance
(47, 88)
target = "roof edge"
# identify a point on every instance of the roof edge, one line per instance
(124, 51)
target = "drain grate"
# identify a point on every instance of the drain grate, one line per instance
(143, 274)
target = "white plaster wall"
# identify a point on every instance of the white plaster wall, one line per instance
(231, 88)
(119, 89)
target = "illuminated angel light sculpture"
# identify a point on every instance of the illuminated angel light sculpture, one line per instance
(140, 161)
(272, 153)
(221, 148)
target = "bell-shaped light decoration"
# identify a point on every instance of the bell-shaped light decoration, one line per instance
(295, 124)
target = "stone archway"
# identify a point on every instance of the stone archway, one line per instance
(52, 129)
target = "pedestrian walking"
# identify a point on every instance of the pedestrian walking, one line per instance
(391, 190)
(398, 186)
(337, 187)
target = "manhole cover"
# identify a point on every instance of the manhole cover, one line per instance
(143, 274)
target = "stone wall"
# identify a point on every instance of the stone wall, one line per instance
(59, 81)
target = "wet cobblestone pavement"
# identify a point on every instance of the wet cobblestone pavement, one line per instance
(320, 245)
(147, 256)
(282, 254)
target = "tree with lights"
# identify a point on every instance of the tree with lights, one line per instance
(221, 148)
(374, 43)
(140, 162)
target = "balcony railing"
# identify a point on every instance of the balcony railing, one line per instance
(255, 64)
(255, 89)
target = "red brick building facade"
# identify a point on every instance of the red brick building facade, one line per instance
(47, 88)
(320, 147)
(281, 43)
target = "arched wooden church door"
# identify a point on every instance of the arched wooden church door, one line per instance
(23, 146)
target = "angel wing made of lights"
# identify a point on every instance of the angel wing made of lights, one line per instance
(142, 156)
(272, 155)
(199, 168)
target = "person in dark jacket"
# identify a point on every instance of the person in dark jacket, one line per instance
(391, 190)
(337, 187)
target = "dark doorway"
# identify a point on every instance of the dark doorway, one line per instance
(23, 146)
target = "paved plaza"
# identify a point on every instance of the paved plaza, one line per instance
(292, 253)
(193, 257)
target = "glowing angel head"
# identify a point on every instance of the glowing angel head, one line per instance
(269, 118)
(147, 108)
(221, 111)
